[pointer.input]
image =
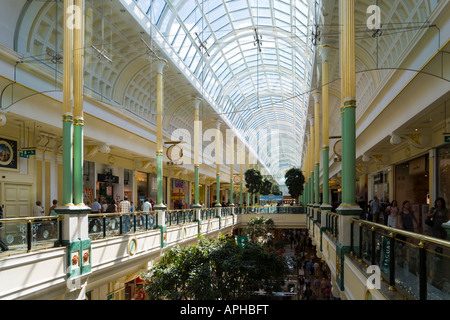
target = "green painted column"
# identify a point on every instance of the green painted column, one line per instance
(241, 177)
(307, 193)
(67, 160)
(78, 162)
(196, 187)
(316, 184)
(218, 190)
(349, 152)
(231, 185)
(241, 194)
(312, 143)
(159, 179)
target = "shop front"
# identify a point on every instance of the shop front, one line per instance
(179, 194)
(201, 193)
(412, 184)
(381, 185)
(146, 187)
(134, 289)
(443, 173)
(107, 186)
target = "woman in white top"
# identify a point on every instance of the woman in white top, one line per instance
(392, 212)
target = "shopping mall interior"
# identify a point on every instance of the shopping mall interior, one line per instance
(173, 101)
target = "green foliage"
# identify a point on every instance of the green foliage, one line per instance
(254, 180)
(295, 181)
(276, 190)
(260, 229)
(266, 187)
(215, 269)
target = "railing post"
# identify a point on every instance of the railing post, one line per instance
(422, 271)
(60, 231)
(392, 261)
(29, 235)
(120, 224)
(351, 236)
(360, 241)
(134, 220)
(147, 215)
(373, 246)
(104, 225)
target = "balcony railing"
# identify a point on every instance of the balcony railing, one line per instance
(271, 210)
(103, 225)
(208, 213)
(332, 224)
(20, 235)
(415, 264)
(174, 217)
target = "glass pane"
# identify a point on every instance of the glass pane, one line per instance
(438, 274)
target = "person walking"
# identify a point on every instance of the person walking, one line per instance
(384, 205)
(440, 215)
(125, 209)
(406, 218)
(51, 211)
(392, 212)
(147, 206)
(96, 207)
(375, 209)
(112, 207)
(3, 245)
(38, 210)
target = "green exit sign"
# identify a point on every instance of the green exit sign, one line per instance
(447, 138)
(29, 152)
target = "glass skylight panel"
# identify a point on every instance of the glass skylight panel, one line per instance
(215, 12)
(270, 117)
(163, 21)
(267, 87)
(195, 61)
(246, 115)
(227, 77)
(220, 22)
(188, 9)
(228, 108)
(234, 5)
(283, 17)
(145, 4)
(154, 10)
(239, 15)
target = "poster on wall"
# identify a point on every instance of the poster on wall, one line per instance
(8, 154)
(417, 166)
(88, 195)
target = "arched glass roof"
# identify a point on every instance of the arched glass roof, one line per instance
(254, 59)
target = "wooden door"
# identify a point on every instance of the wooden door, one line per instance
(16, 199)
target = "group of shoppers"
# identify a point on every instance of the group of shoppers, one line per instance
(402, 216)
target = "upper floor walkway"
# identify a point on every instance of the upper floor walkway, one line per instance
(37, 261)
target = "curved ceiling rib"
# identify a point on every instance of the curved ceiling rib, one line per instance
(254, 58)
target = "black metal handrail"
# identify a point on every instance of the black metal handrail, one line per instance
(376, 239)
